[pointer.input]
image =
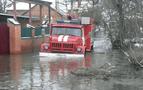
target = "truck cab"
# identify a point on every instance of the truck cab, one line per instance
(69, 36)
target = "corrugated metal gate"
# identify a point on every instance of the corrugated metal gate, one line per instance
(4, 39)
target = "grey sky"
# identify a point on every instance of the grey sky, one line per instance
(25, 6)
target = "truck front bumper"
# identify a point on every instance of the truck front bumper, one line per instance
(67, 55)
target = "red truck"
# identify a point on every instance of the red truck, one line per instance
(69, 36)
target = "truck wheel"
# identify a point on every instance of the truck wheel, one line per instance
(84, 52)
(92, 48)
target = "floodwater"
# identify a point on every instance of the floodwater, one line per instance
(106, 71)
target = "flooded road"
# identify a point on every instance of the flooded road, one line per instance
(106, 71)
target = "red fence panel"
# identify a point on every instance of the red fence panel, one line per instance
(4, 39)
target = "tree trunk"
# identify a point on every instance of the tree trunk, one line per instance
(121, 22)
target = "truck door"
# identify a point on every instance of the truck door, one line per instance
(87, 34)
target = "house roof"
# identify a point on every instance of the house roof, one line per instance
(25, 11)
(36, 5)
(25, 17)
(39, 2)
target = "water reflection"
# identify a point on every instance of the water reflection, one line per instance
(63, 66)
(4, 65)
(10, 68)
(15, 67)
(30, 72)
(58, 71)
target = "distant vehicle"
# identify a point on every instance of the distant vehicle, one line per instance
(69, 36)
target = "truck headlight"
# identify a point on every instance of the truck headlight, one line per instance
(46, 46)
(79, 49)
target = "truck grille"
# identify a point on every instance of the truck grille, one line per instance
(57, 45)
(67, 45)
(63, 47)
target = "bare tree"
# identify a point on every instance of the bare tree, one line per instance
(4, 4)
(93, 2)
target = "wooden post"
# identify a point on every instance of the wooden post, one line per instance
(56, 4)
(30, 20)
(41, 13)
(33, 39)
(49, 12)
(14, 7)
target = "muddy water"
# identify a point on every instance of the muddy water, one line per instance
(109, 72)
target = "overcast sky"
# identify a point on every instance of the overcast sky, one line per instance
(25, 6)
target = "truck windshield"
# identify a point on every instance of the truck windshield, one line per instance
(66, 31)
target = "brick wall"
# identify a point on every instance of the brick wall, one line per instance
(29, 44)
